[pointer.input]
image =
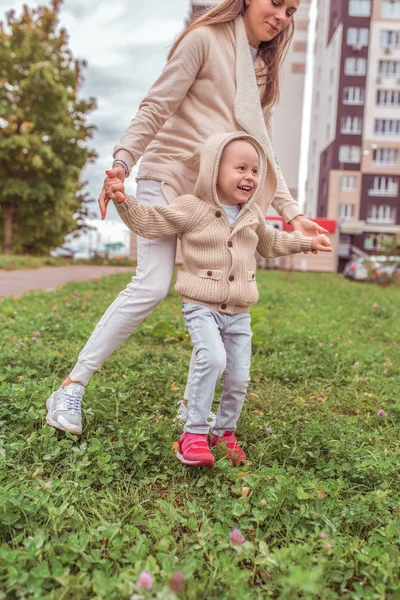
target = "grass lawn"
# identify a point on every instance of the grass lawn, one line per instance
(318, 502)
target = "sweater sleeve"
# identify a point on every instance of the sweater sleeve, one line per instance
(156, 221)
(273, 243)
(165, 96)
(283, 202)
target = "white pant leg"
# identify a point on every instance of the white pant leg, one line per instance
(155, 268)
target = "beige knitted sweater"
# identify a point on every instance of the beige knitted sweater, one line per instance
(208, 86)
(219, 265)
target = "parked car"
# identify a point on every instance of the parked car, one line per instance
(360, 269)
(83, 255)
(387, 274)
(63, 251)
(369, 268)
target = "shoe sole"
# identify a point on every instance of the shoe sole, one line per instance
(56, 424)
(195, 463)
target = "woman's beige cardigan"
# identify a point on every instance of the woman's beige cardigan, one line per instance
(208, 86)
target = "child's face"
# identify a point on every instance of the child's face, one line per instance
(238, 173)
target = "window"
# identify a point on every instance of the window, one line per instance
(385, 156)
(351, 125)
(346, 211)
(391, 9)
(384, 186)
(356, 66)
(389, 68)
(377, 241)
(383, 213)
(390, 39)
(388, 97)
(328, 131)
(387, 127)
(357, 36)
(353, 95)
(349, 154)
(348, 183)
(360, 8)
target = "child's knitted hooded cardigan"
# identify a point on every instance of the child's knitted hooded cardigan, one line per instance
(218, 260)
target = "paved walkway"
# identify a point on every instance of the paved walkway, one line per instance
(16, 283)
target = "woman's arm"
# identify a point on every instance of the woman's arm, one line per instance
(273, 243)
(283, 202)
(165, 96)
(285, 205)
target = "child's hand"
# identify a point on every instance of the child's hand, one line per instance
(321, 243)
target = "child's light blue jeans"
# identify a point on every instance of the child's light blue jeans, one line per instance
(222, 344)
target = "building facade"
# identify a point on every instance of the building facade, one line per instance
(354, 160)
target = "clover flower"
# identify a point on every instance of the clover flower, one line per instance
(145, 580)
(236, 537)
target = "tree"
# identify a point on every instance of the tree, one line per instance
(43, 133)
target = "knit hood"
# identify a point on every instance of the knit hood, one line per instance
(210, 157)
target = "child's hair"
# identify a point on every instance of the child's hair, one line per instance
(248, 141)
(272, 52)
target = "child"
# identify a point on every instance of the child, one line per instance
(220, 228)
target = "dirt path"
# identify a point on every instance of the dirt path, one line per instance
(16, 283)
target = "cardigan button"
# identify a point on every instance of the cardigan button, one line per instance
(230, 244)
(231, 278)
(209, 273)
(218, 213)
(223, 306)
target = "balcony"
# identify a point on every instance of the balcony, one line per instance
(387, 193)
(382, 220)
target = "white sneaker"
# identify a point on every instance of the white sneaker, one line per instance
(64, 408)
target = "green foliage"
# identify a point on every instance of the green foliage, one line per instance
(43, 133)
(117, 501)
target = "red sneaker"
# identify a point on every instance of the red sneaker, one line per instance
(194, 450)
(233, 451)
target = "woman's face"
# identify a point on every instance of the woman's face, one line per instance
(265, 19)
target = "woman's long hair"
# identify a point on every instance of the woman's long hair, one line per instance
(272, 52)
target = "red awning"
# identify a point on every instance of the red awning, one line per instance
(329, 224)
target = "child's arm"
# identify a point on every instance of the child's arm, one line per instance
(156, 221)
(273, 243)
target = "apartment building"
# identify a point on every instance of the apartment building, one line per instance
(354, 160)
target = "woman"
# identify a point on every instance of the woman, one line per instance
(222, 75)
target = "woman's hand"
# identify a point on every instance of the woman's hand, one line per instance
(322, 243)
(113, 189)
(307, 228)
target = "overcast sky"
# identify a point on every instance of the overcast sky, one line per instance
(125, 43)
